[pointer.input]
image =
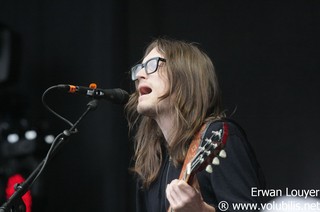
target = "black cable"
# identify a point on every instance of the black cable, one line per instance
(51, 110)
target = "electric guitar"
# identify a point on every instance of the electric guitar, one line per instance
(204, 154)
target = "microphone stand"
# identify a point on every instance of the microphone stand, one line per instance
(15, 203)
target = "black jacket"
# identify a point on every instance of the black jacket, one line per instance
(231, 181)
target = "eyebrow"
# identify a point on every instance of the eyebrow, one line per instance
(150, 58)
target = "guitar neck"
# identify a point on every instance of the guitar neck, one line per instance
(187, 175)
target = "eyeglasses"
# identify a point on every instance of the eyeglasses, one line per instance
(149, 66)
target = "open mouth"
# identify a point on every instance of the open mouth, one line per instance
(145, 90)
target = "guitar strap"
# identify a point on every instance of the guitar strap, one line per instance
(192, 151)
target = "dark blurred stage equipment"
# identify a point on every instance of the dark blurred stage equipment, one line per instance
(9, 55)
(15, 142)
(5, 53)
(21, 146)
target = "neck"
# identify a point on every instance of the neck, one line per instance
(166, 125)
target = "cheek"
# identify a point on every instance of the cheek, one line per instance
(163, 86)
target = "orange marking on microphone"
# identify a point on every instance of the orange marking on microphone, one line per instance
(72, 89)
(93, 86)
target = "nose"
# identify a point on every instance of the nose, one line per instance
(141, 73)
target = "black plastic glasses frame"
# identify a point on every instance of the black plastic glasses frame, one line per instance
(150, 66)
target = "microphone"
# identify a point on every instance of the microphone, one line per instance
(115, 95)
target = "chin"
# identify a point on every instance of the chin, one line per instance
(146, 110)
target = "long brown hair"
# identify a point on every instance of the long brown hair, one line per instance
(194, 84)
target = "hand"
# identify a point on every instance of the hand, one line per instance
(183, 197)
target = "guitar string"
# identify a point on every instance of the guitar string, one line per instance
(197, 161)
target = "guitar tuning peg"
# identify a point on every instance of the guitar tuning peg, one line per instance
(223, 153)
(209, 169)
(207, 152)
(216, 161)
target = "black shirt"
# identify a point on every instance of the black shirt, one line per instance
(231, 181)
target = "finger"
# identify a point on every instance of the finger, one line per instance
(172, 193)
(186, 188)
(169, 193)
